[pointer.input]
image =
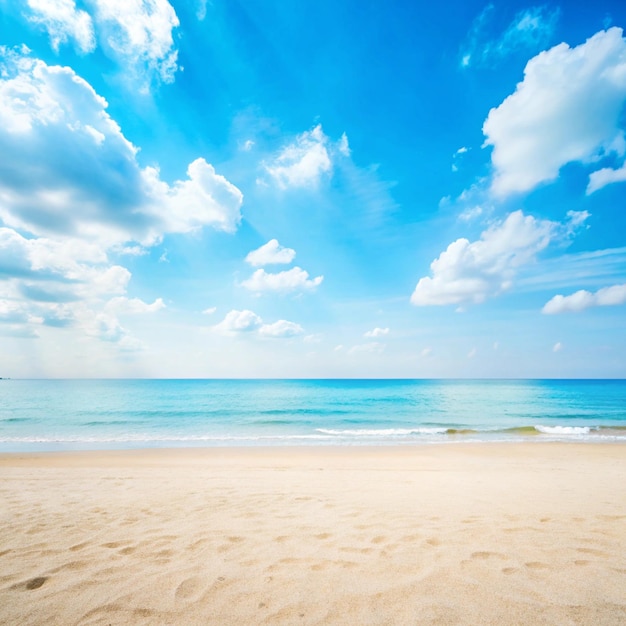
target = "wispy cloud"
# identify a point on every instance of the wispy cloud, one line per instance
(530, 29)
(137, 35)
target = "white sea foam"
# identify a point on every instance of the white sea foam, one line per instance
(563, 430)
(382, 432)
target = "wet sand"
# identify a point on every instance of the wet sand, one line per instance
(527, 534)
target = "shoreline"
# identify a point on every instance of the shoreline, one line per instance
(474, 533)
(399, 449)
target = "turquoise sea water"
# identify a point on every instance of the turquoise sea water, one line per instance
(97, 414)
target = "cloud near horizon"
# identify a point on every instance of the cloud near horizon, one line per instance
(246, 321)
(295, 279)
(583, 299)
(471, 272)
(72, 193)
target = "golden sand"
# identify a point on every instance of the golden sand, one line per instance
(450, 534)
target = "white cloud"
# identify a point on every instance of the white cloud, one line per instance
(530, 29)
(281, 328)
(13, 312)
(247, 321)
(426, 352)
(472, 353)
(582, 299)
(373, 347)
(315, 338)
(67, 283)
(558, 346)
(304, 162)
(457, 157)
(210, 310)
(68, 169)
(271, 253)
(238, 322)
(605, 176)
(137, 34)
(566, 109)
(471, 213)
(473, 271)
(64, 22)
(71, 192)
(201, 9)
(133, 306)
(376, 332)
(130, 250)
(343, 146)
(204, 198)
(290, 280)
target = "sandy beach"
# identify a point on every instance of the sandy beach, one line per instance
(449, 534)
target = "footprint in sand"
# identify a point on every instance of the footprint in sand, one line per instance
(323, 536)
(188, 588)
(487, 555)
(33, 583)
(593, 552)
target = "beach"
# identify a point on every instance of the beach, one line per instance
(484, 533)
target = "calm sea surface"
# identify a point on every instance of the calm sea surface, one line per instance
(97, 414)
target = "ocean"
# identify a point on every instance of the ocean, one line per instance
(48, 415)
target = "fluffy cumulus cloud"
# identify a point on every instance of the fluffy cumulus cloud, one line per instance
(582, 299)
(470, 272)
(68, 169)
(376, 332)
(304, 162)
(271, 253)
(281, 328)
(238, 322)
(135, 33)
(295, 279)
(133, 306)
(246, 321)
(65, 284)
(566, 109)
(72, 193)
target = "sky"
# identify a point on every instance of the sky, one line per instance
(230, 188)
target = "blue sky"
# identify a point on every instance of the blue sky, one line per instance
(312, 189)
